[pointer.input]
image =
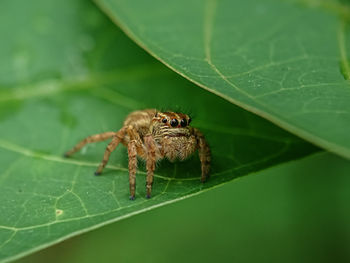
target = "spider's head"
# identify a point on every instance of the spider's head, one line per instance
(171, 124)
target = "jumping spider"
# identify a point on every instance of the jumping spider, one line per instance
(153, 135)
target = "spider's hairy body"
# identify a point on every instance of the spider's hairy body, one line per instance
(152, 135)
(178, 143)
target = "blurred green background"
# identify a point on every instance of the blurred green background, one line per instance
(295, 212)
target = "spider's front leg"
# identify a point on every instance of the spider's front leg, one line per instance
(204, 154)
(118, 136)
(150, 162)
(132, 155)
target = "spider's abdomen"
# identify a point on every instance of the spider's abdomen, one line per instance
(140, 120)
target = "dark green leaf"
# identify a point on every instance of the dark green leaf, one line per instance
(287, 61)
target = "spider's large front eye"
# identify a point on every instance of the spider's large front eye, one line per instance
(189, 121)
(183, 123)
(174, 122)
(164, 120)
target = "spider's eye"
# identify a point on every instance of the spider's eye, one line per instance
(164, 120)
(183, 123)
(189, 121)
(174, 122)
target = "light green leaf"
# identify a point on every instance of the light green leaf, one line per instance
(289, 213)
(66, 72)
(287, 61)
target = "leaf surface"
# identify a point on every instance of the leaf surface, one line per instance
(66, 72)
(287, 61)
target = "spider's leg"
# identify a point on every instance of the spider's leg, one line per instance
(94, 138)
(204, 154)
(150, 162)
(132, 154)
(118, 136)
(134, 145)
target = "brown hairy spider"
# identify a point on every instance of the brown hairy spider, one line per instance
(153, 135)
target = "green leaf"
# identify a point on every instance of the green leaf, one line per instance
(289, 213)
(66, 72)
(287, 61)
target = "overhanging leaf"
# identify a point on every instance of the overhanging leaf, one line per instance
(67, 73)
(287, 61)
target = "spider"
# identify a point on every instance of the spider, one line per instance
(153, 135)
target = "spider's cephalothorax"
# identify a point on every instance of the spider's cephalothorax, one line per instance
(153, 135)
